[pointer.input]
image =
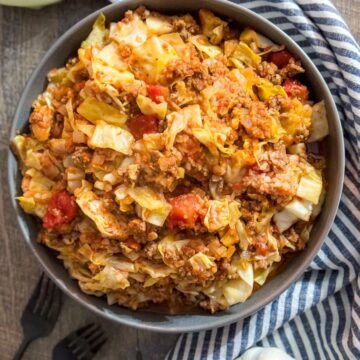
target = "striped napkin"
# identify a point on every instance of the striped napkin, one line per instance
(319, 316)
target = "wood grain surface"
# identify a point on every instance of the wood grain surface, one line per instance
(25, 35)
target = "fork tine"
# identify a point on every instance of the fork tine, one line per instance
(87, 351)
(90, 331)
(55, 306)
(48, 299)
(35, 295)
(86, 341)
(93, 334)
(97, 345)
(77, 335)
(42, 295)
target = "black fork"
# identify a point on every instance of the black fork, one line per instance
(81, 344)
(40, 313)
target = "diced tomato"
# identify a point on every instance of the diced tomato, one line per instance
(261, 247)
(280, 58)
(185, 212)
(61, 209)
(296, 89)
(143, 124)
(157, 93)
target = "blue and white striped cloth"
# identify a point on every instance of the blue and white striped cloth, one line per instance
(319, 316)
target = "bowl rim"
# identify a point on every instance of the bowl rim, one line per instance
(223, 318)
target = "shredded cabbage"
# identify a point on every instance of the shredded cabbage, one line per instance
(108, 75)
(200, 262)
(123, 199)
(250, 36)
(212, 26)
(298, 149)
(243, 53)
(149, 107)
(154, 207)
(28, 205)
(260, 275)
(111, 137)
(176, 41)
(97, 35)
(154, 270)
(158, 25)
(202, 44)
(74, 177)
(94, 207)
(192, 115)
(170, 244)
(310, 186)
(151, 59)
(221, 213)
(111, 278)
(231, 237)
(284, 220)
(110, 56)
(319, 124)
(298, 117)
(19, 146)
(301, 209)
(238, 290)
(133, 33)
(267, 89)
(213, 140)
(244, 238)
(94, 110)
(177, 122)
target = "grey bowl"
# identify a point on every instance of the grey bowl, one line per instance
(57, 55)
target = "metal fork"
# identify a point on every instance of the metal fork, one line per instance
(40, 313)
(82, 344)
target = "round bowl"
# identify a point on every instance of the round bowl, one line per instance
(56, 57)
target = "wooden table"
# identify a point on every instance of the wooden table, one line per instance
(25, 35)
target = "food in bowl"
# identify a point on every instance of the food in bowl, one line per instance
(173, 161)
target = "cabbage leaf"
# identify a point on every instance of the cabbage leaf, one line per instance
(93, 110)
(267, 89)
(98, 33)
(284, 220)
(319, 124)
(212, 26)
(94, 207)
(149, 107)
(301, 209)
(132, 33)
(107, 136)
(201, 262)
(221, 213)
(154, 207)
(158, 25)
(149, 60)
(202, 44)
(310, 186)
(238, 290)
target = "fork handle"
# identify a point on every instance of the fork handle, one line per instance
(23, 346)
